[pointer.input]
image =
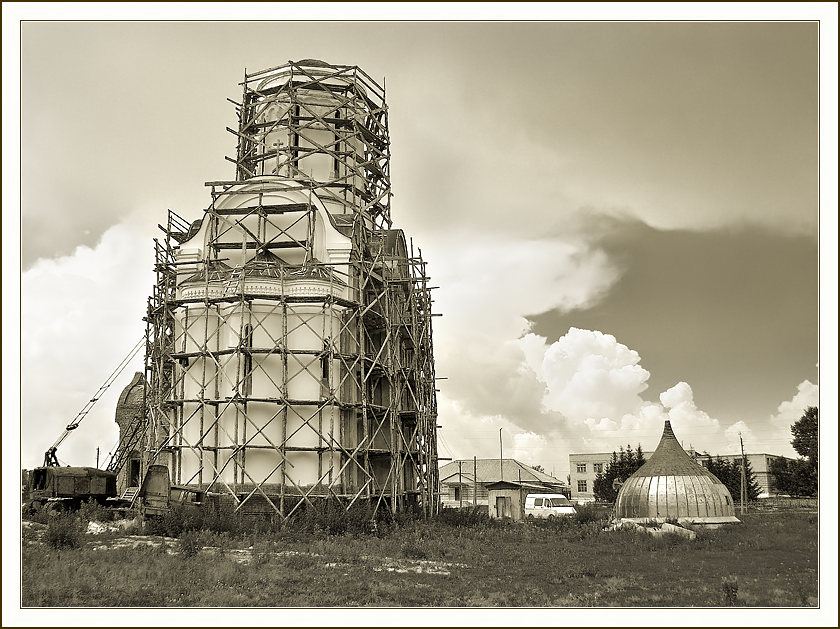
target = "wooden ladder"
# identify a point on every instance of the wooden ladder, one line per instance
(130, 493)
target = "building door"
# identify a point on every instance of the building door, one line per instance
(134, 473)
(502, 507)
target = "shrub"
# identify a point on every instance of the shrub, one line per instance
(413, 549)
(331, 517)
(468, 517)
(591, 513)
(189, 544)
(221, 517)
(64, 531)
(729, 585)
(92, 511)
(42, 514)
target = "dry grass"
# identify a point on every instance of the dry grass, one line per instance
(769, 561)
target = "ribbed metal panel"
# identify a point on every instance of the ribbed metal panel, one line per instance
(672, 485)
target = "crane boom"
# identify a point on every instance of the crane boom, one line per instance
(50, 458)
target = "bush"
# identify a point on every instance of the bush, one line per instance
(64, 531)
(591, 513)
(42, 514)
(92, 511)
(413, 549)
(221, 517)
(729, 585)
(189, 544)
(468, 517)
(331, 517)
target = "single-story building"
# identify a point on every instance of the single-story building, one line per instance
(506, 499)
(465, 482)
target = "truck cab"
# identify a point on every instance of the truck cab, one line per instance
(158, 496)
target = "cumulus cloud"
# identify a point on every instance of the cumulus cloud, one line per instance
(735, 433)
(594, 387)
(81, 314)
(590, 376)
(585, 392)
(807, 394)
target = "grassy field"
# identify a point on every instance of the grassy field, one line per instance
(771, 560)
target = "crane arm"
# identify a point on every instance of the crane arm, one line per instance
(50, 459)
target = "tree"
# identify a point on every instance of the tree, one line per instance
(539, 468)
(621, 466)
(795, 477)
(799, 477)
(806, 435)
(729, 473)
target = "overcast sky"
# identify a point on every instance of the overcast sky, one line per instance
(622, 217)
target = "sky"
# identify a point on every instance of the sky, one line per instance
(622, 217)
(626, 219)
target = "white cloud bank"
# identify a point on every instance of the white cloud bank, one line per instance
(590, 396)
(81, 314)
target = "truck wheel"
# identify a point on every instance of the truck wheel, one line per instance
(530, 517)
(551, 516)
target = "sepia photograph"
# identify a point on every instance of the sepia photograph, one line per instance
(503, 315)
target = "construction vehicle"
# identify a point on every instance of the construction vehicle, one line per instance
(158, 496)
(68, 486)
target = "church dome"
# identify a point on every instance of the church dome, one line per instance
(130, 402)
(672, 485)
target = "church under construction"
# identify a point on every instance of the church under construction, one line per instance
(289, 334)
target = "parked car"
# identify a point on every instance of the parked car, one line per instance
(547, 506)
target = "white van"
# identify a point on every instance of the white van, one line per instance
(547, 506)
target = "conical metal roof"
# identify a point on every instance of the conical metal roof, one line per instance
(672, 485)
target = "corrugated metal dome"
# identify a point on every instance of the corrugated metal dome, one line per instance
(672, 485)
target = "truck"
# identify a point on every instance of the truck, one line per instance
(157, 495)
(67, 487)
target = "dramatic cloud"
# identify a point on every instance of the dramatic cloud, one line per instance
(487, 288)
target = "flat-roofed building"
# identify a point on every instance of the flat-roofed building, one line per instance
(583, 468)
(760, 464)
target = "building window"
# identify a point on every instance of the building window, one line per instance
(582, 486)
(247, 362)
(457, 493)
(581, 468)
(598, 468)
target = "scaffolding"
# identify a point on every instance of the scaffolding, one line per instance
(289, 348)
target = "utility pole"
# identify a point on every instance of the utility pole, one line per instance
(475, 480)
(97, 457)
(501, 464)
(460, 487)
(743, 477)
